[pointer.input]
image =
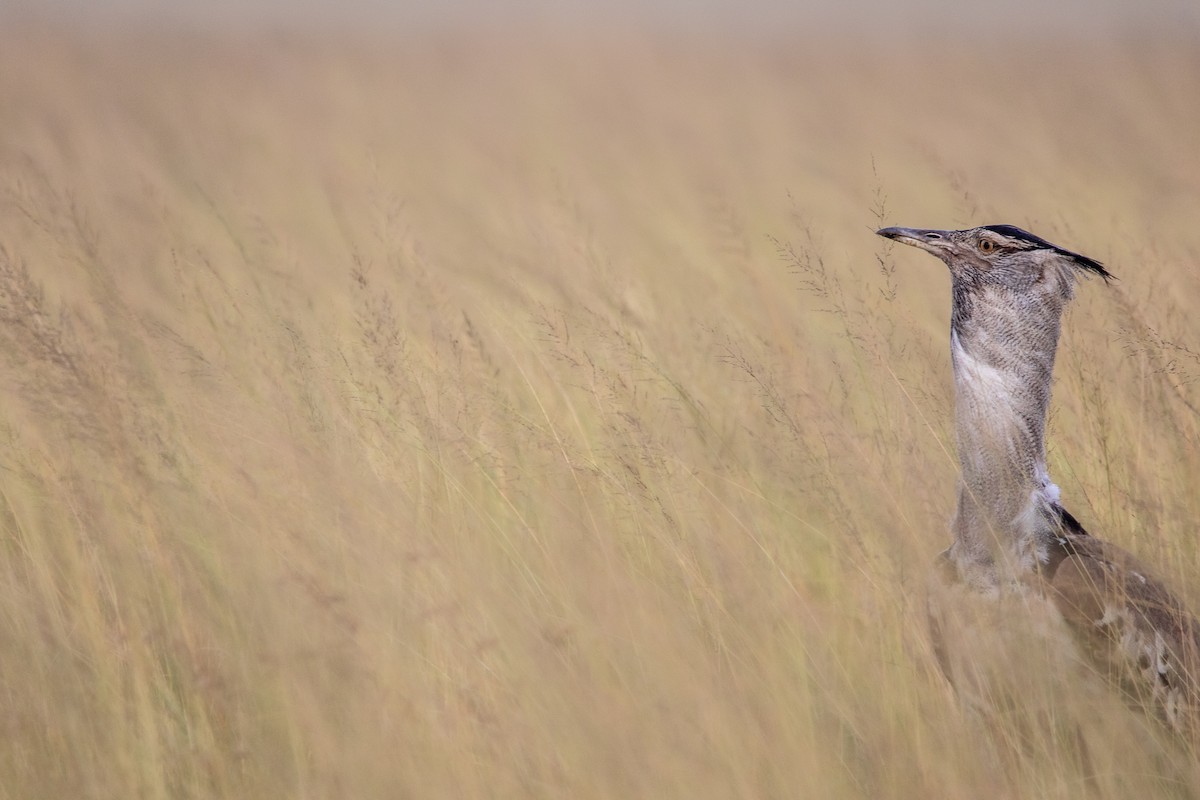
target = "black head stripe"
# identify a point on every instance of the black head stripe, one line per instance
(1020, 234)
(1037, 242)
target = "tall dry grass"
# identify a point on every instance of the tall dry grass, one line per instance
(537, 416)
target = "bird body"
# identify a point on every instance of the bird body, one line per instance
(1012, 535)
(1129, 624)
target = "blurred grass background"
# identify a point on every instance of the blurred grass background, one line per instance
(535, 414)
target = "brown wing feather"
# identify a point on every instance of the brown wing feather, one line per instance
(1131, 625)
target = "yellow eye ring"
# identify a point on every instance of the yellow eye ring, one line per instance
(987, 245)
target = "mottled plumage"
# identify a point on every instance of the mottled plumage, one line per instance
(1012, 535)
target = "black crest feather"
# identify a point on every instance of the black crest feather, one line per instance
(1013, 232)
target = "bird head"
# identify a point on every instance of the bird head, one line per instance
(1002, 256)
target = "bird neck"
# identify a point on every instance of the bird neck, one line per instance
(1001, 403)
(1003, 359)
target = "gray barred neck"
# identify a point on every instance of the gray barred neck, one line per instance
(996, 547)
(1001, 403)
(1003, 524)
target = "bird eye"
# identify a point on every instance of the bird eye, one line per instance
(987, 245)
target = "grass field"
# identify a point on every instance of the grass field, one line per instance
(536, 415)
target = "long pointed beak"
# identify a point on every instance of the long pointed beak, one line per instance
(928, 240)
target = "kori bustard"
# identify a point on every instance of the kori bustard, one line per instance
(1011, 531)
